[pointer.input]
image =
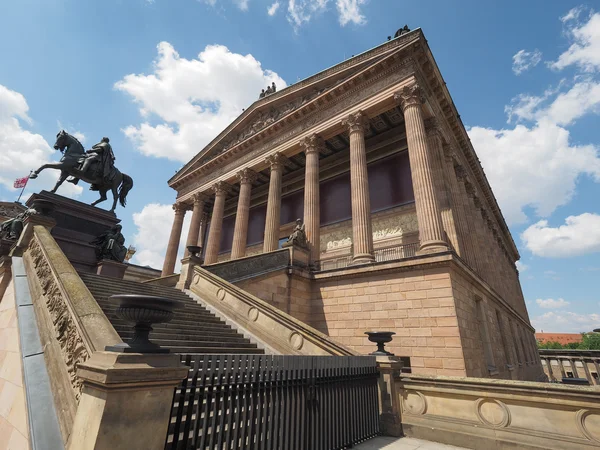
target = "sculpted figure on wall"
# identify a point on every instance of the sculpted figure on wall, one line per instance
(12, 228)
(111, 245)
(298, 237)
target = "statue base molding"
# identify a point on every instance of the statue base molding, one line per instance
(111, 269)
(77, 224)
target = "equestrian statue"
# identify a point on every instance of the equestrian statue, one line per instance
(95, 166)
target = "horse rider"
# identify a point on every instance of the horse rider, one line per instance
(103, 153)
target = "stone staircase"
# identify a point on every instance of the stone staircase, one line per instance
(193, 330)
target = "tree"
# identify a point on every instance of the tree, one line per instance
(590, 341)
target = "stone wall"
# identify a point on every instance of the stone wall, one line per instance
(14, 432)
(290, 292)
(416, 303)
(496, 414)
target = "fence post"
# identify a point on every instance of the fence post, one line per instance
(125, 401)
(389, 401)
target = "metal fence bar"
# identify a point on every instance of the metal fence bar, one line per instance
(264, 402)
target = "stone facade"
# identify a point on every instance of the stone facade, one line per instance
(403, 230)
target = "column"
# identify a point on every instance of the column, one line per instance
(197, 213)
(461, 176)
(173, 246)
(431, 232)
(240, 232)
(312, 219)
(214, 232)
(273, 219)
(362, 233)
(466, 245)
(434, 143)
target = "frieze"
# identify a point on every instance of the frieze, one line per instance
(66, 333)
(358, 93)
(389, 226)
(10, 211)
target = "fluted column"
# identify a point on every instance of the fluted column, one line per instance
(197, 213)
(173, 245)
(216, 223)
(312, 145)
(362, 233)
(273, 219)
(431, 231)
(240, 231)
(461, 177)
(466, 245)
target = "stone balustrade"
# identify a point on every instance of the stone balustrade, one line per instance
(559, 364)
(480, 413)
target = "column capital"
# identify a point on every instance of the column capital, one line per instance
(199, 197)
(312, 143)
(411, 95)
(276, 161)
(433, 128)
(221, 188)
(180, 208)
(246, 176)
(357, 121)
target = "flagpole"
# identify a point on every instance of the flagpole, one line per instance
(22, 190)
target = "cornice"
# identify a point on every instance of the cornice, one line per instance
(372, 56)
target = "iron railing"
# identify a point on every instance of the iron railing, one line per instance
(275, 402)
(560, 364)
(381, 254)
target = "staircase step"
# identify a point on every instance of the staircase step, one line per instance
(193, 330)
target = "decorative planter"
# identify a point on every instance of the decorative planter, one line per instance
(143, 310)
(380, 338)
(194, 250)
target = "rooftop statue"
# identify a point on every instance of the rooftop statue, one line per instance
(12, 228)
(96, 166)
(298, 236)
(111, 245)
(402, 31)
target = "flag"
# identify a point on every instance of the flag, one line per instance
(21, 182)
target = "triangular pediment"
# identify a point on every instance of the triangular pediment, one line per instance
(282, 105)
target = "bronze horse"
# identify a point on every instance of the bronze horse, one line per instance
(70, 163)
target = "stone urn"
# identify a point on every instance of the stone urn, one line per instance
(380, 338)
(143, 310)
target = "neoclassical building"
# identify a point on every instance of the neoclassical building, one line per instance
(403, 230)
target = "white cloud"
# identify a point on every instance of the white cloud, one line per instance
(584, 51)
(242, 4)
(22, 151)
(272, 10)
(573, 14)
(550, 303)
(154, 224)
(193, 99)
(566, 322)
(521, 267)
(523, 60)
(349, 11)
(579, 235)
(302, 11)
(534, 166)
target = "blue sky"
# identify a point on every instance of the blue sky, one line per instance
(162, 78)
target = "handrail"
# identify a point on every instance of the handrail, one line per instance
(278, 330)
(72, 325)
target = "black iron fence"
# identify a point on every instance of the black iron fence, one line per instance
(275, 402)
(392, 253)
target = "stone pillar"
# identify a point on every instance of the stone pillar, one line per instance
(431, 231)
(461, 177)
(312, 146)
(390, 418)
(173, 246)
(273, 219)
(125, 401)
(216, 222)
(197, 213)
(240, 231)
(362, 233)
(435, 144)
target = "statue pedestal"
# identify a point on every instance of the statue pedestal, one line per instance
(77, 224)
(111, 269)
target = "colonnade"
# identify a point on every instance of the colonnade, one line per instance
(422, 156)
